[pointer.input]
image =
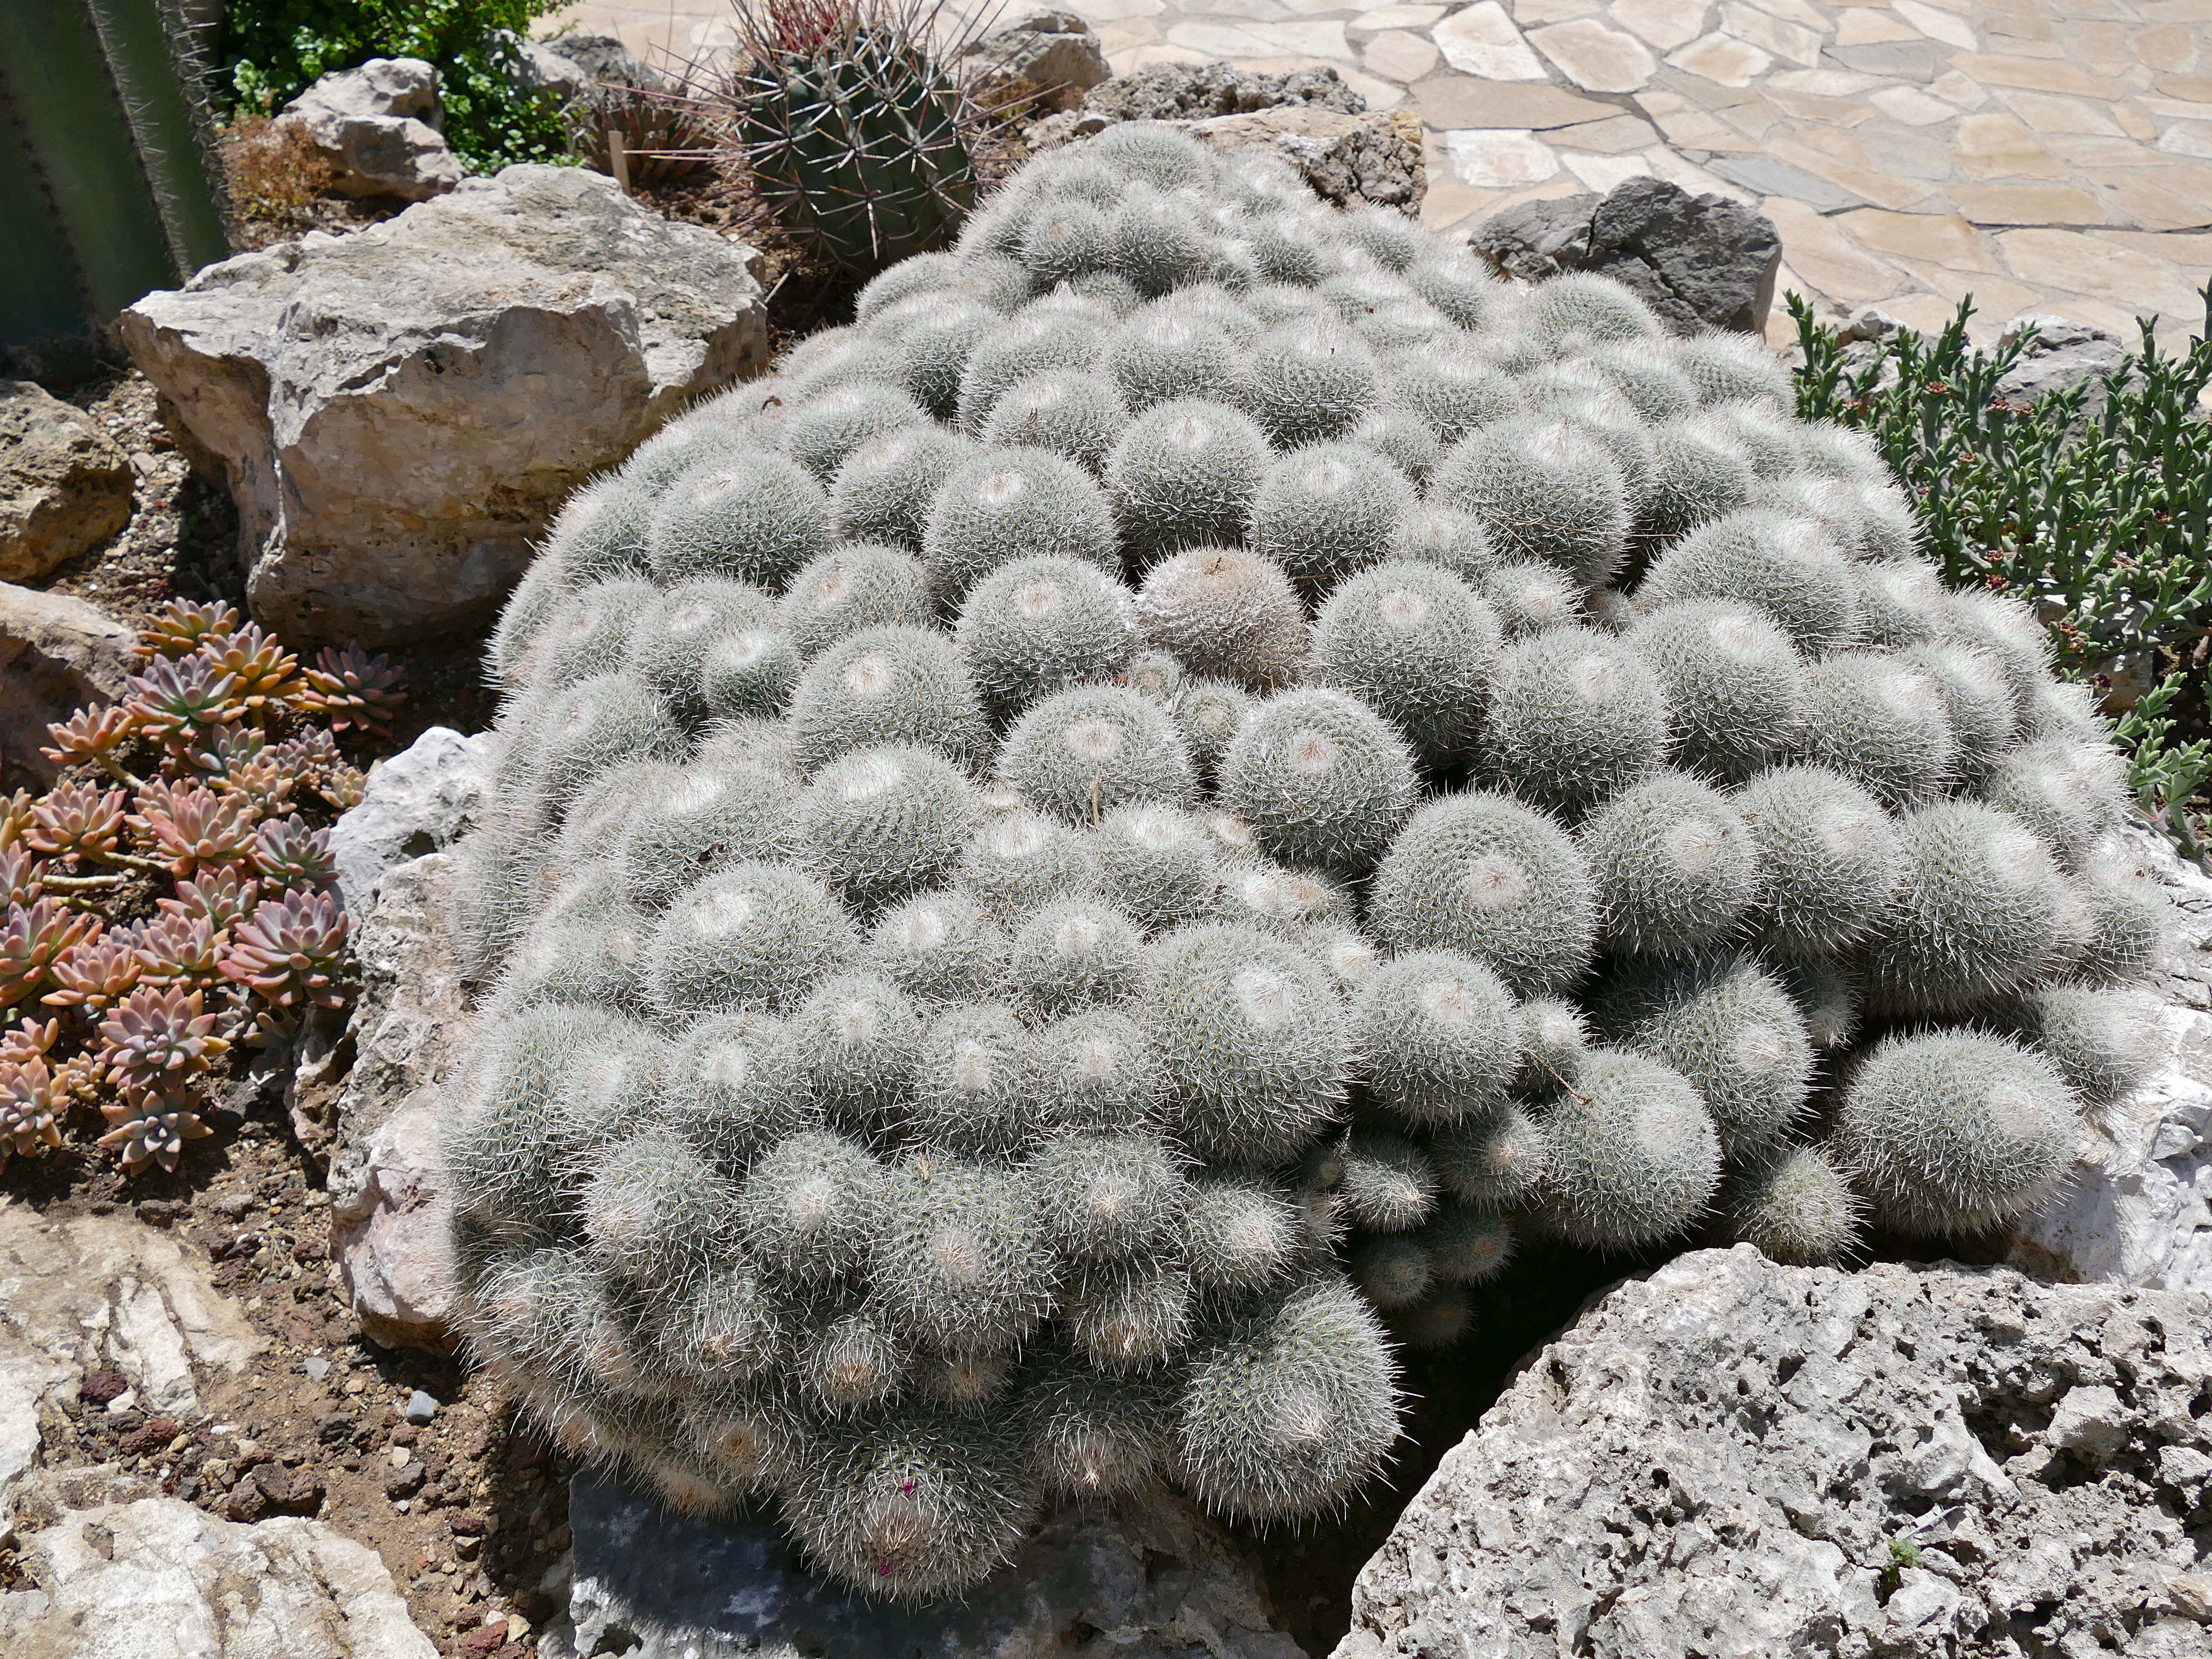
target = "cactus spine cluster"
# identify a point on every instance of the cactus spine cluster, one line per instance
(1295, 766)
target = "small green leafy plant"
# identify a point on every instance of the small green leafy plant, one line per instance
(2098, 518)
(274, 50)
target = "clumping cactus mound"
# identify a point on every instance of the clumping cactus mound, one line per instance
(1083, 861)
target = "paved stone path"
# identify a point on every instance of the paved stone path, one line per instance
(2043, 155)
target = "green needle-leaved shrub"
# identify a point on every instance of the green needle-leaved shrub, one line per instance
(1211, 881)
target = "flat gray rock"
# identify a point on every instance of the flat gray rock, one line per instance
(419, 801)
(1733, 1460)
(381, 128)
(1155, 1580)
(1051, 55)
(399, 412)
(387, 1179)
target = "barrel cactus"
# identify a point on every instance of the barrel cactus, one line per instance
(1271, 776)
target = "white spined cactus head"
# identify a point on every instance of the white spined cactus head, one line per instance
(1184, 475)
(1438, 1037)
(1322, 778)
(1634, 1157)
(895, 683)
(1481, 874)
(883, 492)
(1415, 642)
(1952, 1132)
(1253, 1052)
(1676, 868)
(1733, 683)
(1227, 613)
(1542, 488)
(1576, 716)
(1005, 504)
(1729, 1027)
(856, 584)
(1795, 1205)
(1081, 752)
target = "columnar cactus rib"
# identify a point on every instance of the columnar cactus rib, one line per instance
(1295, 764)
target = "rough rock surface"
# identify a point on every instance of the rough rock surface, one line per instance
(1345, 158)
(1179, 92)
(386, 1181)
(159, 1579)
(381, 126)
(1310, 119)
(1133, 1581)
(418, 802)
(1736, 1459)
(388, 1232)
(64, 484)
(1048, 54)
(570, 66)
(2138, 1210)
(399, 412)
(57, 654)
(1698, 261)
(101, 1293)
(2063, 353)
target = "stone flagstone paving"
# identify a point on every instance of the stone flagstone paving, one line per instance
(2051, 157)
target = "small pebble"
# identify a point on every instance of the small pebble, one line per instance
(318, 1369)
(399, 1456)
(420, 1408)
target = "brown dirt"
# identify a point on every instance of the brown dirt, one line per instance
(468, 1512)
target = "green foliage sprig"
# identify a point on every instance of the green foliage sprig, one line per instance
(275, 49)
(2099, 516)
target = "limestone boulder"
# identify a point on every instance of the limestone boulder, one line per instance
(1736, 1460)
(399, 412)
(1048, 56)
(1698, 261)
(2137, 1209)
(158, 1579)
(380, 127)
(1310, 118)
(1149, 1578)
(1193, 91)
(1346, 159)
(386, 1182)
(570, 66)
(419, 801)
(65, 485)
(57, 654)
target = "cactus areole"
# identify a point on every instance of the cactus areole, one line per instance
(1073, 869)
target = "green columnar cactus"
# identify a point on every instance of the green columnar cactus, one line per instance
(1274, 767)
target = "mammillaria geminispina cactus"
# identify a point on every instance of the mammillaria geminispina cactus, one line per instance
(1100, 845)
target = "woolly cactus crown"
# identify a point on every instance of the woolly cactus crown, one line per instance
(1060, 866)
